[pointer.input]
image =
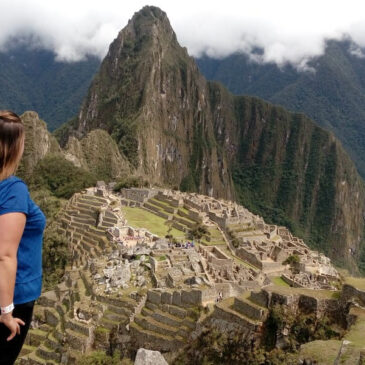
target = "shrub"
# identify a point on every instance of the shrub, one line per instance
(130, 182)
(60, 176)
(292, 260)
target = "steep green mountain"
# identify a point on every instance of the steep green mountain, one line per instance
(333, 95)
(95, 156)
(177, 129)
(31, 79)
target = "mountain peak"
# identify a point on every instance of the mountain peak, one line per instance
(151, 11)
(149, 22)
(177, 129)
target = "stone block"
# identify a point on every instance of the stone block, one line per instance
(249, 310)
(166, 298)
(154, 297)
(51, 318)
(283, 299)
(260, 298)
(146, 357)
(192, 297)
(178, 312)
(176, 298)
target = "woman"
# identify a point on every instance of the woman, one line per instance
(21, 233)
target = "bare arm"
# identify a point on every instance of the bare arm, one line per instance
(11, 230)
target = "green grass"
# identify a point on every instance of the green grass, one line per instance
(154, 200)
(358, 283)
(102, 329)
(319, 294)
(216, 243)
(357, 331)
(184, 210)
(39, 332)
(141, 218)
(324, 352)
(215, 233)
(277, 280)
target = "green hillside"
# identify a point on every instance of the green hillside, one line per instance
(32, 79)
(333, 95)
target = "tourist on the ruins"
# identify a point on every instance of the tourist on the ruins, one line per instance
(21, 233)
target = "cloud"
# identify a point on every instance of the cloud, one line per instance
(286, 31)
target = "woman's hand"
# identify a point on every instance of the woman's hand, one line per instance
(12, 323)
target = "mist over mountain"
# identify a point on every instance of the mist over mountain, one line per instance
(176, 129)
(333, 94)
(205, 226)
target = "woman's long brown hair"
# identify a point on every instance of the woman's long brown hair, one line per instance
(11, 140)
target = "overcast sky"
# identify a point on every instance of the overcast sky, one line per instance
(288, 31)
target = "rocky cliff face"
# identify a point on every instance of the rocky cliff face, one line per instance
(178, 129)
(291, 171)
(151, 98)
(333, 95)
(97, 152)
(38, 142)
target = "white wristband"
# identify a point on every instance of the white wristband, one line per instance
(7, 309)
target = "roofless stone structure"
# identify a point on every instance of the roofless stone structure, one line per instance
(127, 287)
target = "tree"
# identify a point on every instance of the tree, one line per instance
(198, 231)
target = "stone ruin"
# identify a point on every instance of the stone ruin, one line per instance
(263, 246)
(126, 284)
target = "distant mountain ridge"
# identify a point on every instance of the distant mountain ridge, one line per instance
(31, 79)
(179, 130)
(168, 124)
(333, 96)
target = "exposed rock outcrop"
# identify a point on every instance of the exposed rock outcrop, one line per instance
(38, 142)
(180, 130)
(96, 152)
(148, 357)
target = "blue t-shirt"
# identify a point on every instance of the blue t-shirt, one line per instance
(14, 197)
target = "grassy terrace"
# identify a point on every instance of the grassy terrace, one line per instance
(215, 243)
(154, 200)
(319, 294)
(357, 331)
(237, 228)
(156, 203)
(215, 233)
(358, 283)
(324, 352)
(140, 218)
(184, 210)
(278, 281)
